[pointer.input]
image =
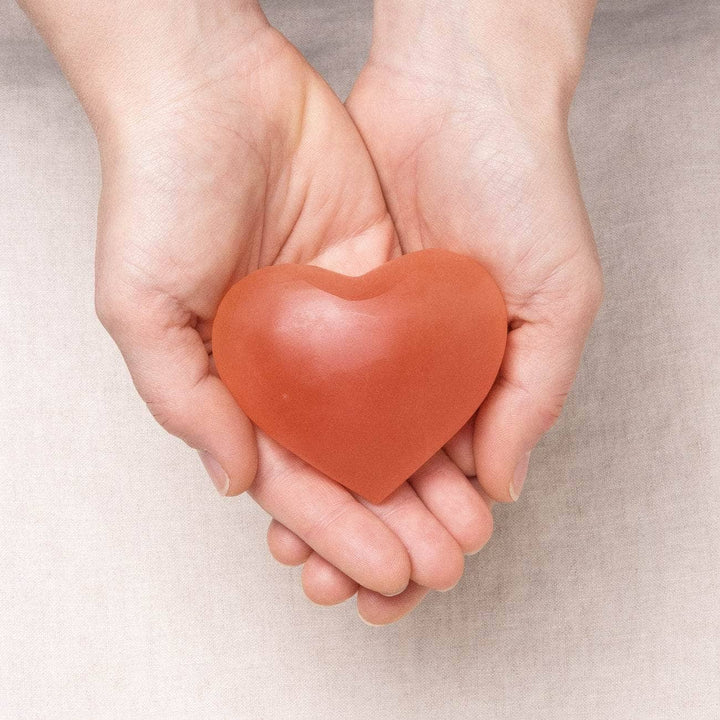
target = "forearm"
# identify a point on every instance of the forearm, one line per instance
(114, 50)
(534, 48)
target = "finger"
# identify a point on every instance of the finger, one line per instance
(450, 497)
(324, 584)
(362, 252)
(460, 448)
(376, 609)
(483, 495)
(329, 519)
(285, 546)
(170, 368)
(538, 369)
(437, 560)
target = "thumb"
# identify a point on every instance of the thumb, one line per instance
(171, 370)
(538, 370)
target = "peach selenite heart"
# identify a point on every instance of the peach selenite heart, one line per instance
(364, 378)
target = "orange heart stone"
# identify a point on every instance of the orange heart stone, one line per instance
(364, 378)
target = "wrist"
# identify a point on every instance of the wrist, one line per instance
(124, 56)
(532, 49)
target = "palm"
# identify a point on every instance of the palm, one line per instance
(460, 170)
(223, 177)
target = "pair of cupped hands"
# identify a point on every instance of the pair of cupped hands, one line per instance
(241, 156)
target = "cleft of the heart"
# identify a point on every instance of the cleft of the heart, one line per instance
(365, 378)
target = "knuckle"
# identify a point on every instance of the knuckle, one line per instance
(325, 521)
(169, 417)
(583, 301)
(106, 309)
(162, 414)
(397, 505)
(595, 288)
(549, 413)
(544, 405)
(549, 405)
(114, 308)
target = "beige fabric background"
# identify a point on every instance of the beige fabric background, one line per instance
(129, 589)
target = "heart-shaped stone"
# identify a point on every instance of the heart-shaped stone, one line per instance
(364, 378)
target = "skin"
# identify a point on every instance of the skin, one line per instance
(473, 156)
(223, 151)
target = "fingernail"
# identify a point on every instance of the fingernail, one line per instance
(217, 474)
(519, 477)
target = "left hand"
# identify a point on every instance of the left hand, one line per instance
(473, 155)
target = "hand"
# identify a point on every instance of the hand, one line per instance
(473, 155)
(221, 153)
(470, 161)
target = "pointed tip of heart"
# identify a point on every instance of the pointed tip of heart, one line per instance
(377, 499)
